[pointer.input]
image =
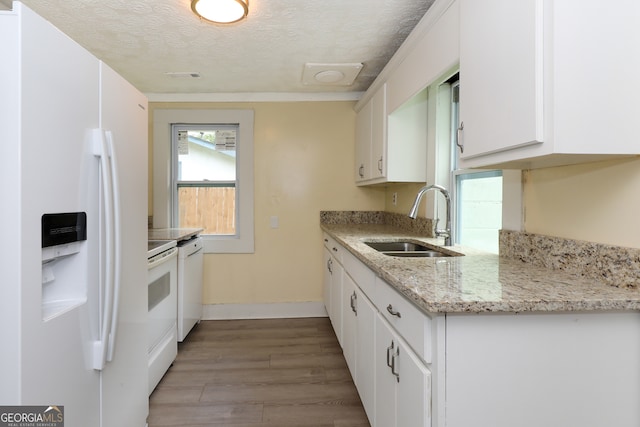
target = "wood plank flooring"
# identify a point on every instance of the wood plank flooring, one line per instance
(252, 373)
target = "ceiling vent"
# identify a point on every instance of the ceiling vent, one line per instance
(330, 74)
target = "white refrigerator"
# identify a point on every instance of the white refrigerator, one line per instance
(73, 295)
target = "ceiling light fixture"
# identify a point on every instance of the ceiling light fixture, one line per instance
(221, 11)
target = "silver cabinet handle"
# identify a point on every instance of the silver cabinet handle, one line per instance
(329, 262)
(459, 137)
(392, 311)
(354, 299)
(394, 357)
(391, 347)
(361, 171)
(380, 164)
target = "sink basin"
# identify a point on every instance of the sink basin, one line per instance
(397, 246)
(410, 249)
(425, 254)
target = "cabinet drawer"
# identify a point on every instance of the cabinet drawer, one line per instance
(362, 275)
(334, 247)
(412, 324)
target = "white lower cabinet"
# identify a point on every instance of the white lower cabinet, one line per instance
(349, 323)
(411, 369)
(393, 381)
(336, 298)
(552, 370)
(358, 335)
(403, 382)
(332, 282)
(365, 347)
(326, 280)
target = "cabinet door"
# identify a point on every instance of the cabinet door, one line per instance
(363, 143)
(365, 353)
(326, 280)
(336, 298)
(349, 326)
(385, 381)
(413, 389)
(371, 138)
(500, 75)
(403, 382)
(379, 133)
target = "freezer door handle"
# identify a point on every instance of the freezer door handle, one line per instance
(116, 234)
(103, 348)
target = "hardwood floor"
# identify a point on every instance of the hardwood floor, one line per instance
(252, 373)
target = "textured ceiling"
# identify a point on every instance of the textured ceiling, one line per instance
(145, 39)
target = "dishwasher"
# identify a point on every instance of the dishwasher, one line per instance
(190, 276)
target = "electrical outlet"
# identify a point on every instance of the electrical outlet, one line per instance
(394, 199)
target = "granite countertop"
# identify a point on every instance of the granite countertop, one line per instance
(177, 234)
(478, 282)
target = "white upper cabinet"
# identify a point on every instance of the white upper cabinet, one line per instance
(500, 95)
(371, 138)
(363, 143)
(434, 48)
(391, 121)
(543, 83)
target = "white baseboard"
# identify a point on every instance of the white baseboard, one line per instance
(263, 311)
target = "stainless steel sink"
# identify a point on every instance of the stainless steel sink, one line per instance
(409, 249)
(397, 246)
(425, 254)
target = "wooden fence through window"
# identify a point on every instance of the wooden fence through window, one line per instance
(211, 208)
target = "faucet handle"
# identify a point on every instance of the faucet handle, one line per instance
(438, 233)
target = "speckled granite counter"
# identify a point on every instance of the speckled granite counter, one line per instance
(478, 282)
(177, 234)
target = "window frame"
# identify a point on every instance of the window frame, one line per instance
(163, 203)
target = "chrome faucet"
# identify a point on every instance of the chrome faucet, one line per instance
(413, 213)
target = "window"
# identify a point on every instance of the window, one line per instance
(476, 194)
(209, 158)
(204, 177)
(478, 201)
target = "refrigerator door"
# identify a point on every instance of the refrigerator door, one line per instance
(124, 118)
(54, 97)
(10, 196)
(58, 104)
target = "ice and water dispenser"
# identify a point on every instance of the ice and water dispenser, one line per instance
(64, 262)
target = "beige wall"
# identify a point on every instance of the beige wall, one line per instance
(304, 160)
(406, 195)
(304, 164)
(597, 202)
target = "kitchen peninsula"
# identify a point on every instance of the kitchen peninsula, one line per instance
(502, 342)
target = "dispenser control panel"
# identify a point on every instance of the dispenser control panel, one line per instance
(62, 234)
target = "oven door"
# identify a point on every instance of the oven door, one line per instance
(162, 341)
